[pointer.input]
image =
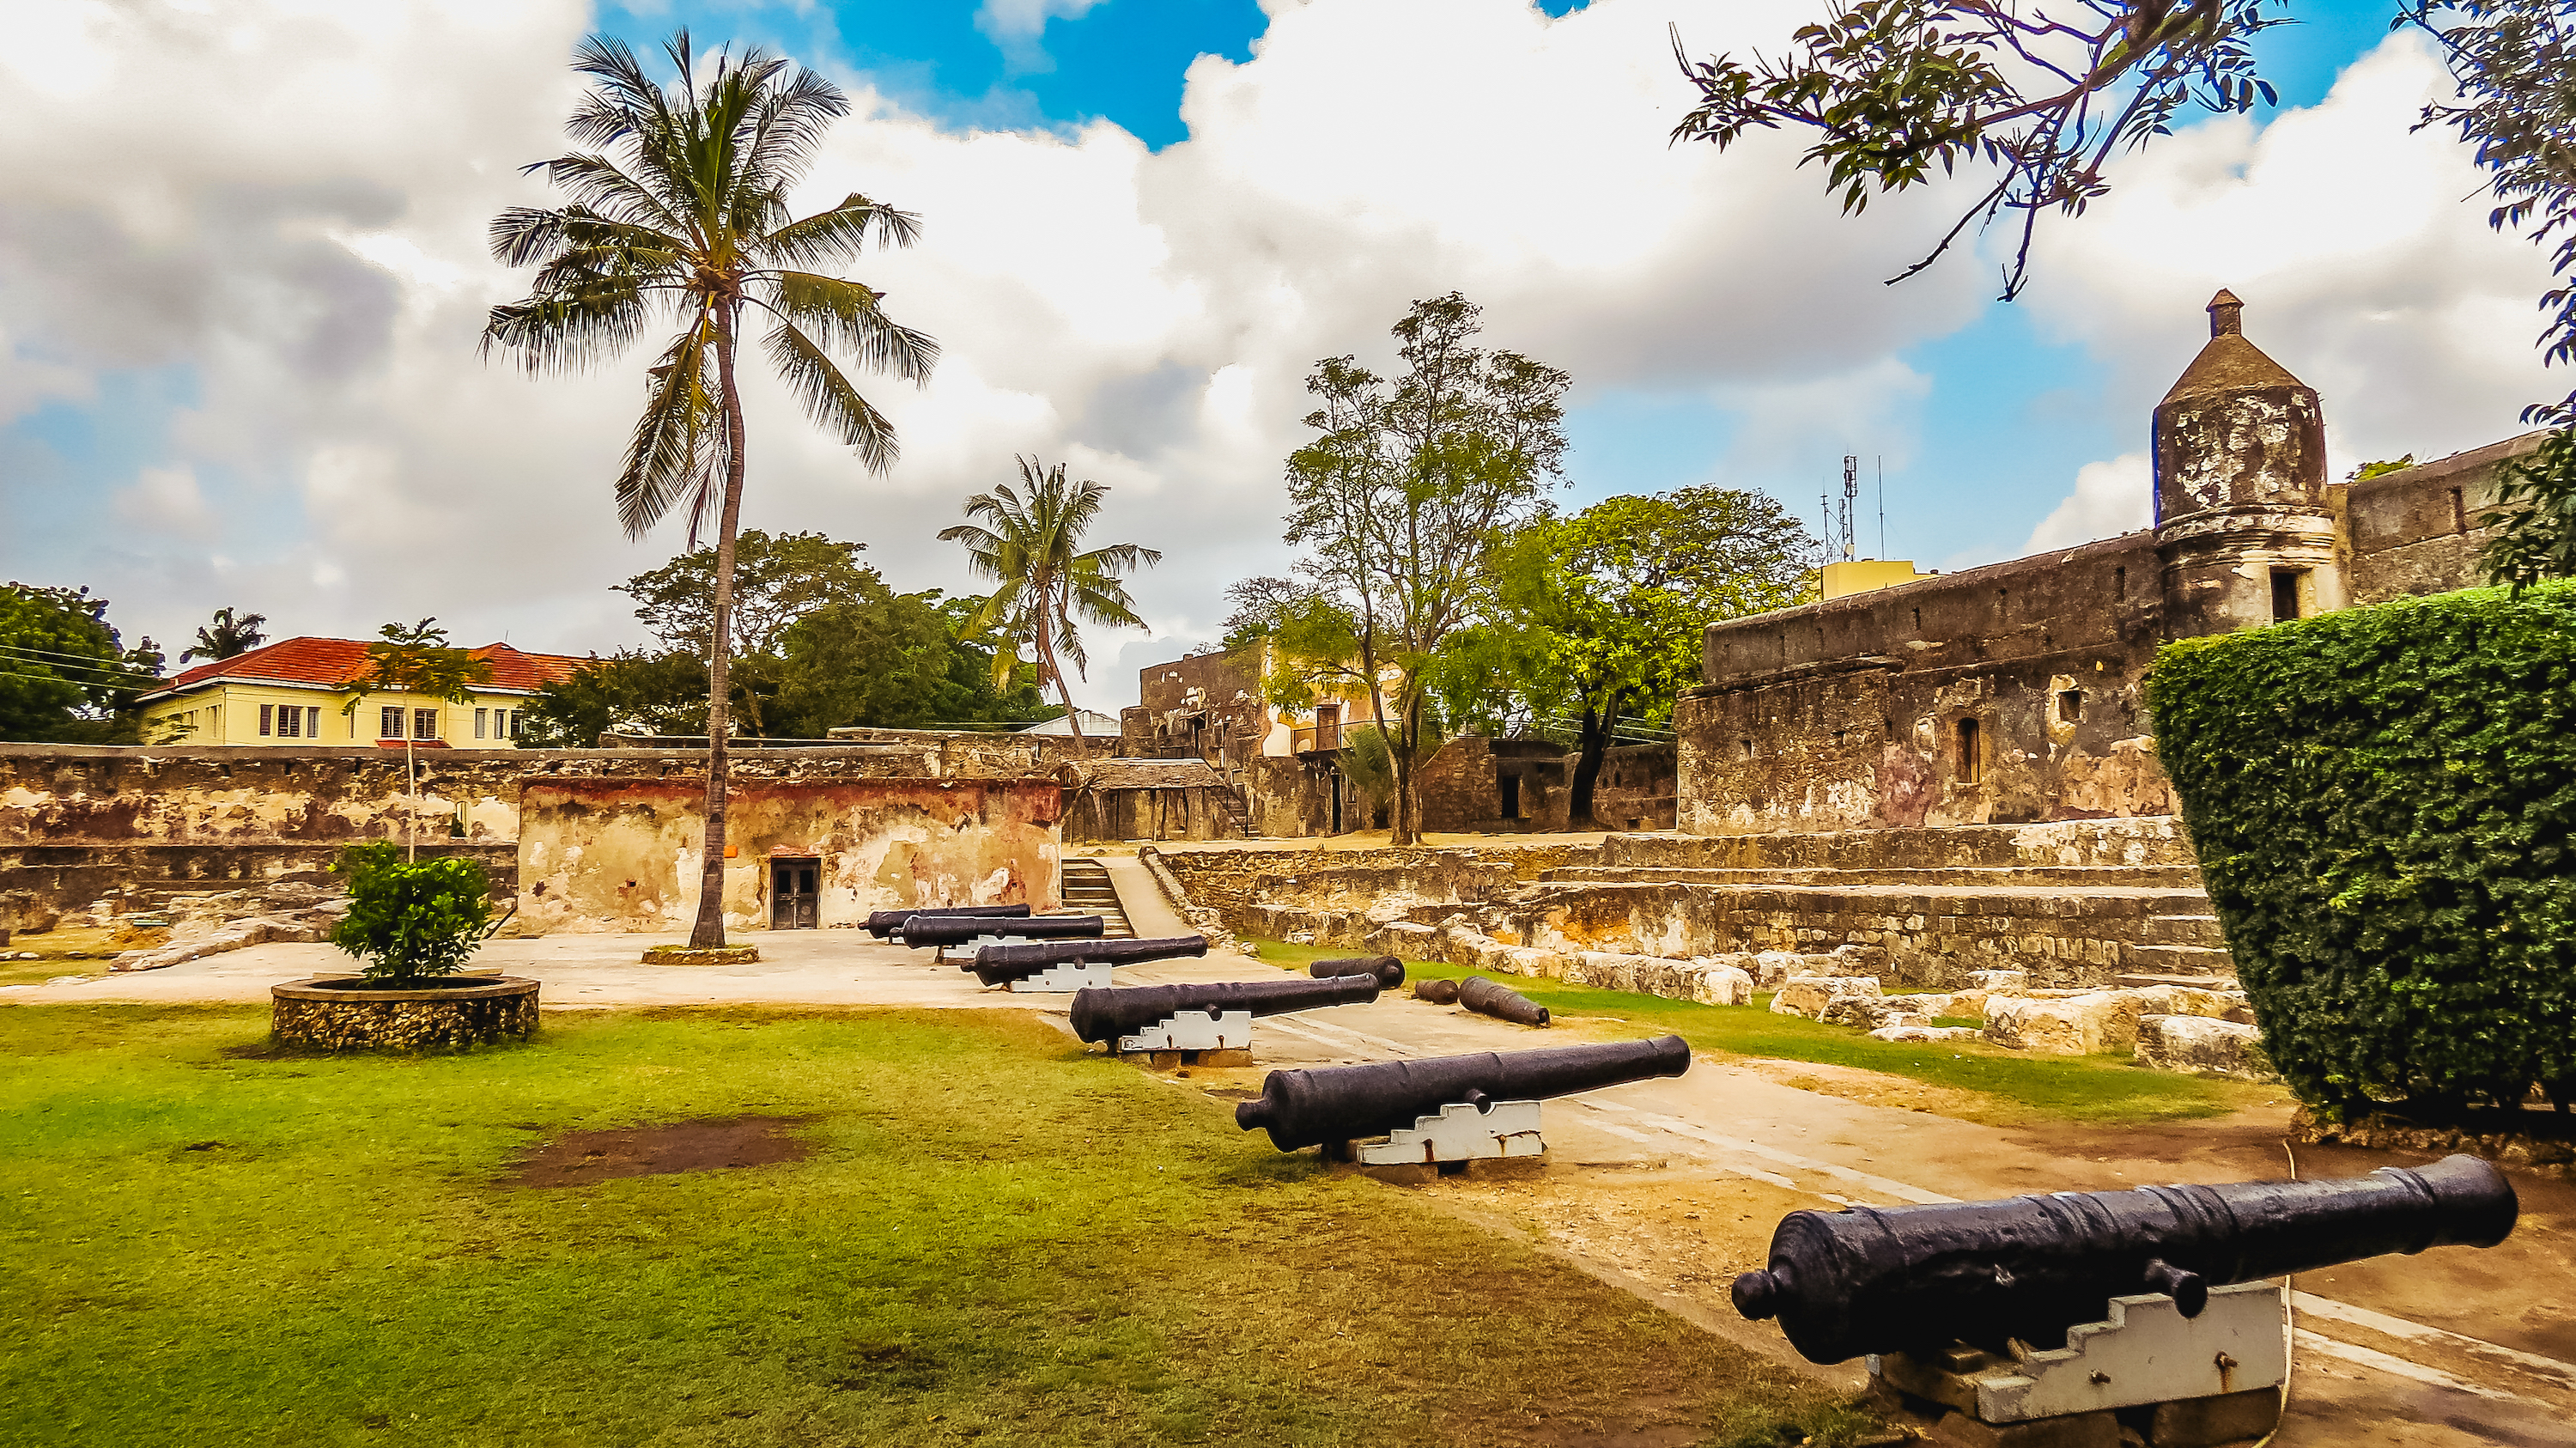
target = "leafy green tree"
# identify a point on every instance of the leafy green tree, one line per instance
(776, 582)
(1397, 501)
(419, 661)
(632, 692)
(1599, 617)
(2535, 517)
(66, 676)
(228, 636)
(409, 919)
(679, 214)
(1047, 588)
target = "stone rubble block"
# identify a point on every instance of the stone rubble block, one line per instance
(1717, 984)
(1771, 967)
(1871, 1012)
(2184, 1000)
(1403, 940)
(2203, 1046)
(1999, 982)
(2088, 1023)
(304, 927)
(1808, 995)
(1920, 1035)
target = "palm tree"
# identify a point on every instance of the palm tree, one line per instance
(413, 661)
(227, 636)
(679, 213)
(1045, 584)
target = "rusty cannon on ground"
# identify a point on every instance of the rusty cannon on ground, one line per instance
(2096, 1302)
(1446, 1110)
(1205, 1016)
(1071, 965)
(1388, 970)
(938, 932)
(887, 923)
(1486, 998)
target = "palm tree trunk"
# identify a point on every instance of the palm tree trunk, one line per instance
(708, 932)
(1047, 670)
(411, 800)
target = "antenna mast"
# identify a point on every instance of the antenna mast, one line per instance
(1842, 521)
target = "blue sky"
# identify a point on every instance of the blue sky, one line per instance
(237, 363)
(1999, 377)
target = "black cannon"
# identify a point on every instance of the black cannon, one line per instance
(1912, 1279)
(1501, 1002)
(1388, 970)
(995, 964)
(883, 923)
(1105, 1015)
(1347, 1103)
(1437, 991)
(923, 933)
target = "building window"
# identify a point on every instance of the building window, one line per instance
(1744, 748)
(290, 722)
(424, 723)
(313, 721)
(2070, 706)
(267, 717)
(479, 716)
(2285, 593)
(514, 725)
(389, 722)
(1972, 762)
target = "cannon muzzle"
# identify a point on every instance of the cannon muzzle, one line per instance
(1105, 1015)
(1910, 1279)
(995, 964)
(1437, 991)
(1501, 1002)
(1388, 970)
(922, 933)
(883, 923)
(1346, 1103)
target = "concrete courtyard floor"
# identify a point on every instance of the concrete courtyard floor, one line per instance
(1669, 1188)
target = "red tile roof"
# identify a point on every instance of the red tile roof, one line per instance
(331, 662)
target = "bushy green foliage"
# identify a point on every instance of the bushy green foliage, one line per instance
(2381, 799)
(415, 918)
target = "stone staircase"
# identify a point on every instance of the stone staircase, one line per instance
(2075, 903)
(1087, 891)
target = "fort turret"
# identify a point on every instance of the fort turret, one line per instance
(2242, 523)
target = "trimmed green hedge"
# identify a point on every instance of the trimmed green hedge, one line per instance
(2382, 801)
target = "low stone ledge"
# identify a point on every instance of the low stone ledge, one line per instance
(2546, 1148)
(340, 1013)
(703, 955)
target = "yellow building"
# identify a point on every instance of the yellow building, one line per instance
(292, 693)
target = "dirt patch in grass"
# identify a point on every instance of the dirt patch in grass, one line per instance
(1878, 1088)
(584, 1157)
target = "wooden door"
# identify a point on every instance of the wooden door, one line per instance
(794, 887)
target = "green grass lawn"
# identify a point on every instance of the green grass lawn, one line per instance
(995, 1240)
(2107, 1089)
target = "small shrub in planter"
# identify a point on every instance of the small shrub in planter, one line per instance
(411, 919)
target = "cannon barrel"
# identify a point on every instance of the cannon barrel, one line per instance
(1437, 991)
(1388, 970)
(1105, 1015)
(920, 933)
(1501, 1002)
(1896, 1279)
(882, 923)
(994, 964)
(1346, 1103)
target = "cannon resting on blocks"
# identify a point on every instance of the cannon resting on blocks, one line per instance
(1447, 1110)
(1204, 1017)
(945, 932)
(2145, 1310)
(1072, 965)
(886, 923)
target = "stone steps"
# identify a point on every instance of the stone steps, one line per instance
(1087, 891)
(2148, 841)
(2199, 930)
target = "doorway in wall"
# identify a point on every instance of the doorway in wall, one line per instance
(1511, 801)
(793, 893)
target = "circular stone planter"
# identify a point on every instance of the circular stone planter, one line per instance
(346, 1013)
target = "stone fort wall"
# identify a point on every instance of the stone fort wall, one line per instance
(2013, 693)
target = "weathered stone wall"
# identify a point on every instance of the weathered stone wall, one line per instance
(78, 825)
(2415, 531)
(971, 754)
(1470, 781)
(624, 855)
(1206, 706)
(1291, 796)
(1227, 881)
(1636, 790)
(1204, 813)
(1998, 695)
